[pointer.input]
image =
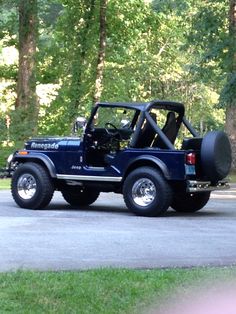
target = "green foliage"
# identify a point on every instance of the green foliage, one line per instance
(144, 59)
(167, 50)
(209, 35)
(73, 54)
(8, 22)
(229, 91)
(209, 23)
(23, 124)
(5, 152)
(9, 72)
(48, 67)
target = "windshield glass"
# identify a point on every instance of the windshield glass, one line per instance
(119, 117)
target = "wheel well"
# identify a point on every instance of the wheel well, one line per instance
(145, 163)
(37, 161)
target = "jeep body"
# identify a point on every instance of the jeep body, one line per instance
(147, 151)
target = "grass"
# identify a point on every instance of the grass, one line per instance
(232, 177)
(5, 184)
(104, 291)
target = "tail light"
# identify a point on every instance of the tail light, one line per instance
(191, 159)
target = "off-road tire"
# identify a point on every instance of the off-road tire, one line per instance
(76, 196)
(189, 202)
(42, 187)
(216, 156)
(139, 195)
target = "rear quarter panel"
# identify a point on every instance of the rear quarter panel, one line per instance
(173, 160)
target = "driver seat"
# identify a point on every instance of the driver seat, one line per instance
(147, 133)
(170, 130)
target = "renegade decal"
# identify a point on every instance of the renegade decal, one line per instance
(44, 146)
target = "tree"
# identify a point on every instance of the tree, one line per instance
(26, 102)
(82, 38)
(229, 91)
(213, 37)
(101, 51)
(71, 55)
(127, 51)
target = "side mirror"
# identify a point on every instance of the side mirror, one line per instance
(79, 124)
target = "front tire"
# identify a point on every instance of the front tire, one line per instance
(31, 186)
(190, 202)
(146, 192)
(77, 196)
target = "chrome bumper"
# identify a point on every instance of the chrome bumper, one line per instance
(201, 186)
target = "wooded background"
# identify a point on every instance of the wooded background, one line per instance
(57, 58)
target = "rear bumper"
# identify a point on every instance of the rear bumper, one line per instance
(206, 186)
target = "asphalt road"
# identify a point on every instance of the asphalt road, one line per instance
(107, 234)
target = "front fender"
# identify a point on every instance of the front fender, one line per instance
(36, 157)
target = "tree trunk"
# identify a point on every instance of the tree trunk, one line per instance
(26, 102)
(101, 52)
(231, 109)
(231, 130)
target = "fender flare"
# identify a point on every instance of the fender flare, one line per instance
(156, 161)
(37, 157)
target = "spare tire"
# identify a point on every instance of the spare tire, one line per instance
(216, 156)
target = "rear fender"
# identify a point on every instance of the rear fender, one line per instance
(145, 160)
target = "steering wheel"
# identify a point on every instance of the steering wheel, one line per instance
(112, 134)
(107, 124)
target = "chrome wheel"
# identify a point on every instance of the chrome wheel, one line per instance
(143, 192)
(26, 186)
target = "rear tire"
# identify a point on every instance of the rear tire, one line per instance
(190, 202)
(146, 192)
(77, 196)
(31, 186)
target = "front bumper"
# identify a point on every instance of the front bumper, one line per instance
(206, 186)
(6, 173)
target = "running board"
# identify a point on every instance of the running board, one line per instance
(88, 178)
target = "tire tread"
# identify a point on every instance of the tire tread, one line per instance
(166, 192)
(47, 188)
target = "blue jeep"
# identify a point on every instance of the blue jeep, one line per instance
(148, 152)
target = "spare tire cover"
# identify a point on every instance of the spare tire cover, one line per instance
(216, 155)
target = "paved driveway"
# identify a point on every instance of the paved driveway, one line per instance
(106, 234)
